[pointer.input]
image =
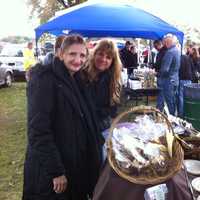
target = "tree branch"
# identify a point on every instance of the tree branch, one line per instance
(63, 3)
(67, 4)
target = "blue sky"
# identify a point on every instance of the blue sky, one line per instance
(14, 16)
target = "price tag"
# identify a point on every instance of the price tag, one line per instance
(158, 192)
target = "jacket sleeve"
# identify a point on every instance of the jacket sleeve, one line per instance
(41, 101)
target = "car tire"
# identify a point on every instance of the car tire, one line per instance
(8, 80)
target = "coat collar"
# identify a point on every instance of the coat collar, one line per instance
(67, 84)
(61, 71)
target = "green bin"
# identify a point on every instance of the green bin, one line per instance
(192, 104)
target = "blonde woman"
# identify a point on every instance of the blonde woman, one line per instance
(103, 75)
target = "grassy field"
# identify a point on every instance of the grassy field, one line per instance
(12, 140)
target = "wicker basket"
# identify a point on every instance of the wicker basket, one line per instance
(191, 147)
(175, 161)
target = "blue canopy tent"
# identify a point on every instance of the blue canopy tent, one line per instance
(108, 20)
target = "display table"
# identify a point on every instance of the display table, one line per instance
(110, 186)
(137, 93)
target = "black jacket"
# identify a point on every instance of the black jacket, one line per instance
(195, 70)
(63, 136)
(159, 58)
(99, 91)
(185, 71)
(128, 59)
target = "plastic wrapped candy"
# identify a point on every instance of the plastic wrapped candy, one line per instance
(141, 148)
(149, 129)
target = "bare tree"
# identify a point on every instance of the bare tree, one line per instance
(45, 11)
(70, 3)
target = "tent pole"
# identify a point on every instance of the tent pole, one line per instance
(36, 44)
(138, 50)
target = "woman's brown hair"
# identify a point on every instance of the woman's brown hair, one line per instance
(58, 42)
(70, 40)
(109, 48)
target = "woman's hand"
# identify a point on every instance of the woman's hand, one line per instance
(60, 184)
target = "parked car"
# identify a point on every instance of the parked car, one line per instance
(6, 75)
(12, 55)
(17, 66)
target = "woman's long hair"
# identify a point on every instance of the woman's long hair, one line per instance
(109, 48)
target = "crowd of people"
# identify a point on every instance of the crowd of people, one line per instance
(72, 98)
(174, 69)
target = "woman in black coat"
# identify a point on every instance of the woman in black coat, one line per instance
(63, 155)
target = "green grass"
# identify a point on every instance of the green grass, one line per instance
(12, 140)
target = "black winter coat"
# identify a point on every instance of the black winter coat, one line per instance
(185, 71)
(99, 91)
(159, 58)
(128, 59)
(195, 70)
(63, 136)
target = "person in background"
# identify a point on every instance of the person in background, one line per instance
(185, 77)
(196, 64)
(189, 49)
(127, 58)
(134, 57)
(161, 49)
(49, 57)
(145, 55)
(29, 59)
(169, 73)
(64, 151)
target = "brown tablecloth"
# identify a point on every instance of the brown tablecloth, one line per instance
(110, 186)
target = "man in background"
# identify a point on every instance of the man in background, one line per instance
(161, 49)
(127, 57)
(29, 59)
(50, 56)
(169, 73)
(134, 57)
